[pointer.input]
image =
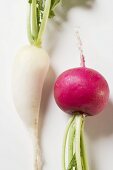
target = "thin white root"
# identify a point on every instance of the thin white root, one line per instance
(37, 160)
(37, 165)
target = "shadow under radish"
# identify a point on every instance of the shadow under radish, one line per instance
(78, 3)
(101, 125)
(67, 5)
(56, 24)
(97, 127)
(46, 94)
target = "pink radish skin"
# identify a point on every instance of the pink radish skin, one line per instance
(81, 90)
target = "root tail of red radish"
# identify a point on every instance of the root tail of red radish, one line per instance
(74, 145)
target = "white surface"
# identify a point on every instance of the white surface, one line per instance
(96, 30)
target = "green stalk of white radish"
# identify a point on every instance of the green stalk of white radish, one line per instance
(30, 69)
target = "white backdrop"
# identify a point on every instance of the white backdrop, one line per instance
(96, 30)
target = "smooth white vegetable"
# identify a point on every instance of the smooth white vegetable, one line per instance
(30, 69)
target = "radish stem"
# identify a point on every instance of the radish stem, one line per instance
(64, 143)
(39, 13)
(34, 19)
(83, 149)
(44, 22)
(70, 143)
(74, 135)
(30, 37)
(78, 125)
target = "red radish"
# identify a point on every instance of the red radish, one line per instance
(81, 90)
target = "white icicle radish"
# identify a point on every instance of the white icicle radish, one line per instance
(30, 69)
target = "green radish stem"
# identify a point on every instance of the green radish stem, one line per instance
(78, 124)
(64, 143)
(36, 22)
(30, 37)
(70, 143)
(34, 19)
(43, 23)
(74, 137)
(83, 149)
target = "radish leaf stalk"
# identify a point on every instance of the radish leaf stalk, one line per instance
(77, 157)
(64, 143)
(78, 124)
(72, 163)
(39, 12)
(70, 143)
(83, 148)
(30, 36)
(34, 19)
(54, 3)
(44, 22)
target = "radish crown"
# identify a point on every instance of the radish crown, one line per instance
(39, 12)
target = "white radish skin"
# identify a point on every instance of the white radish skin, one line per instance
(30, 69)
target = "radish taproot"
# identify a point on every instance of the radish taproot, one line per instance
(80, 92)
(30, 69)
